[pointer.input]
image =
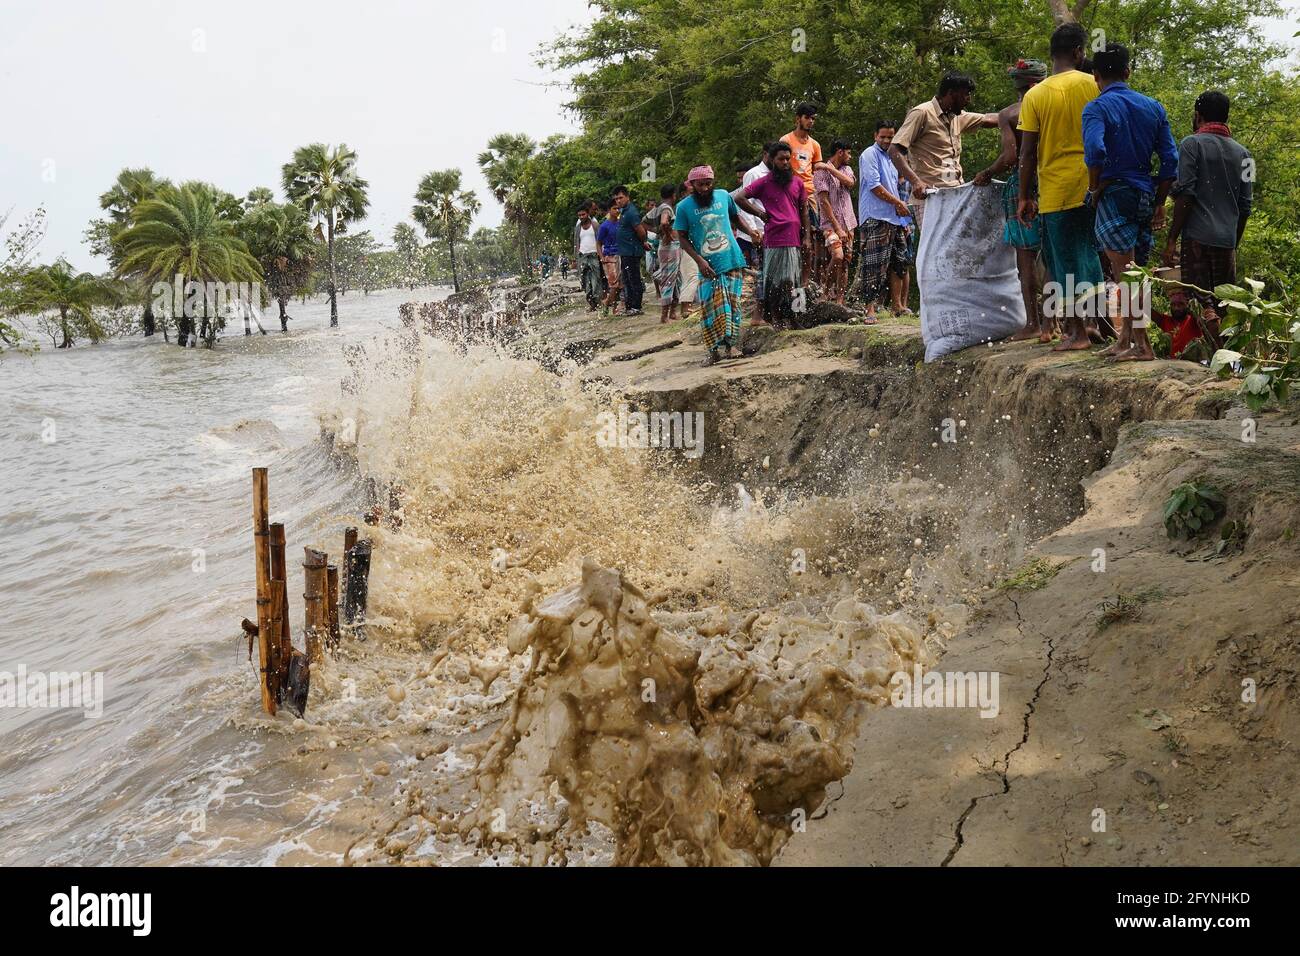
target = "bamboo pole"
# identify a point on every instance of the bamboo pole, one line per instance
(274, 679)
(354, 601)
(279, 573)
(262, 559)
(314, 576)
(332, 602)
(349, 539)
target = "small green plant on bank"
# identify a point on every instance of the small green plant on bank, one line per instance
(1125, 606)
(1191, 508)
(1032, 575)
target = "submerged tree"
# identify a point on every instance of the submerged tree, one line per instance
(444, 211)
(279, 237)
(131, 188)
(324, 182)
(16, 252)
(183, 232)
(72, 295)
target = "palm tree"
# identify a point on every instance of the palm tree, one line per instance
(503, 164)
(131, 187)
(74, 295)
(445, 211)
(280, 239)
(324, 182)
(183, 233)
(258, 196)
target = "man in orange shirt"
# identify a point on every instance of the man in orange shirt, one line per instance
(805, 153)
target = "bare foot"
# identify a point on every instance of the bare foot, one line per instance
(1113, 349)
(1025, 334)
(1135, 354)
(1069, 344)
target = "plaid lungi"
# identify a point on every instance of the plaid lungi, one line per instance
(781, 273)
(720, 317)
(1124, 220)
(1013, 233)
(1206, 267)
(883, 247)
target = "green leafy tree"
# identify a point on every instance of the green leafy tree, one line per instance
(130, 188)
(72, 296)
(324, 182)
(258, 196)
(279, 237)
(445, 211)
(16, 250)
(410, 255)
(184, 232)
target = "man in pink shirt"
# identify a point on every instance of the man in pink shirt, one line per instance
(785, 217)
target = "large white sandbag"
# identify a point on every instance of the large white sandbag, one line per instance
(970, 292)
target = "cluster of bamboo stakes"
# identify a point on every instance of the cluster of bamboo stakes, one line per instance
(321, 600)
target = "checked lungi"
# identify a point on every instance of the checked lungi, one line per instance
(720, 318)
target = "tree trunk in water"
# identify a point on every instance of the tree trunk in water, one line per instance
(63, 325)
(147, 320)
(333, 286)
(284, 316)
(455, 277)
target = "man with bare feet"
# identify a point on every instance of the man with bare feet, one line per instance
(833, 181)
(703, 225)
(1025, 239)
(1212, 201)
(1121, 130)
(784, 212)
(1051, 158)
(884, 218)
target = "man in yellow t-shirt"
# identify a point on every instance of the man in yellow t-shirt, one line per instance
(805, 153)
(1051, 155)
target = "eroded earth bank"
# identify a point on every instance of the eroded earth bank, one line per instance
(686, 655)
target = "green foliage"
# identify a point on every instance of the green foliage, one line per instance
(1262, 341)
(1033, 575)
(186, 230)
(324, 182)
(72, 296)
(1192, 508)
(279, 237)
(445, 211)
(16, 251)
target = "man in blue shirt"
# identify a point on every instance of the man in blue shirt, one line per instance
(703, 226)
(883, 220)
(632, 245)
(1122, 129)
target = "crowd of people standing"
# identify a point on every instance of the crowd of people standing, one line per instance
(1089, 162)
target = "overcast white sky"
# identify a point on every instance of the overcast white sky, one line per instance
(224, 90)
(87, 88)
